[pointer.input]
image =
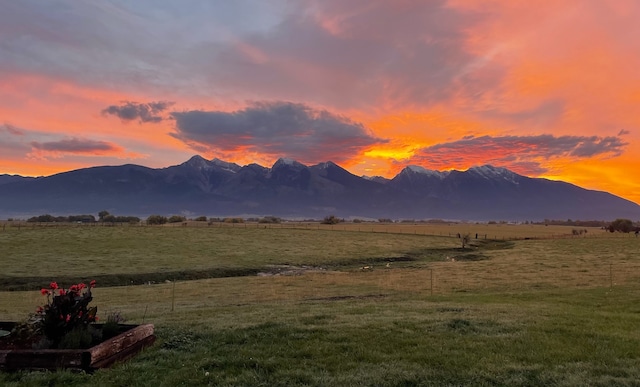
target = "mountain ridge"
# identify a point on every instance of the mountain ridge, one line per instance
(294, 190)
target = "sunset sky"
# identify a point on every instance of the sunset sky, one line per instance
(544, 88)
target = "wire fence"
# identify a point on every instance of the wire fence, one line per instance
(477, 231)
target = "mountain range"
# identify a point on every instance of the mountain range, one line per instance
(293, 190)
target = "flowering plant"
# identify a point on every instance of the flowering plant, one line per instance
(66, 310)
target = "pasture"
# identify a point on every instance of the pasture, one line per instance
(349, 304)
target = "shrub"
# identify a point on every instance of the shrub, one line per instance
(201, 219)
(156, 219)
(78, 338)
(621, 225)
(331, 219)
(111, 327)
(269, 219)
(176, 219)
(42, 219)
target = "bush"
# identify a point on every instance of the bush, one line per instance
(331, 219)
(156, 219)
(201, 219)
(78, 338)
(621, 225)
(111, 327)
(269, 219)
(42, 219)
(176, 219)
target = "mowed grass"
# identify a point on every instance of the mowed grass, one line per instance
(529, 312)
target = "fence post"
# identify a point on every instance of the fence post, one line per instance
(431, 280)
(173, 296)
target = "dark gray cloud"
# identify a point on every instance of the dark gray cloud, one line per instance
(77, 146)
(12, 141)
(517, 152)
(143, 112)
(13, 130)
(276, 129)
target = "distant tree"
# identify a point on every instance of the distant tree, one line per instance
(201, 219)
(102, 214)
(176, 219)
(385, 220)
(621, 225)
(269, 219)
(331, 219)
(156, 219)
(127, 219)
(42, 219)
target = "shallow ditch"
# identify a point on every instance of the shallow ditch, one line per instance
(473, 253)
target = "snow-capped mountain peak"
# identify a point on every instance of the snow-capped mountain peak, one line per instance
(491, 172)
(231, 167)
(287, 161)
(425, 171)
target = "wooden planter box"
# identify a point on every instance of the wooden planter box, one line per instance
(118, 348)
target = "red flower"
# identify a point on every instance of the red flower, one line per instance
(54, 285)
(45, 292)
(74, 288)
(81, 286)
(92, 284)
(68, 318)
(62, 292)
(40, 309)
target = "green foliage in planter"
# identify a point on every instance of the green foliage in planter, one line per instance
(79, 337)
(111, 327)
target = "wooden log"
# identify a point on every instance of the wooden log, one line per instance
(120, 343)
(124, 354)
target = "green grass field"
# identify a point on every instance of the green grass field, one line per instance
(346, 305)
